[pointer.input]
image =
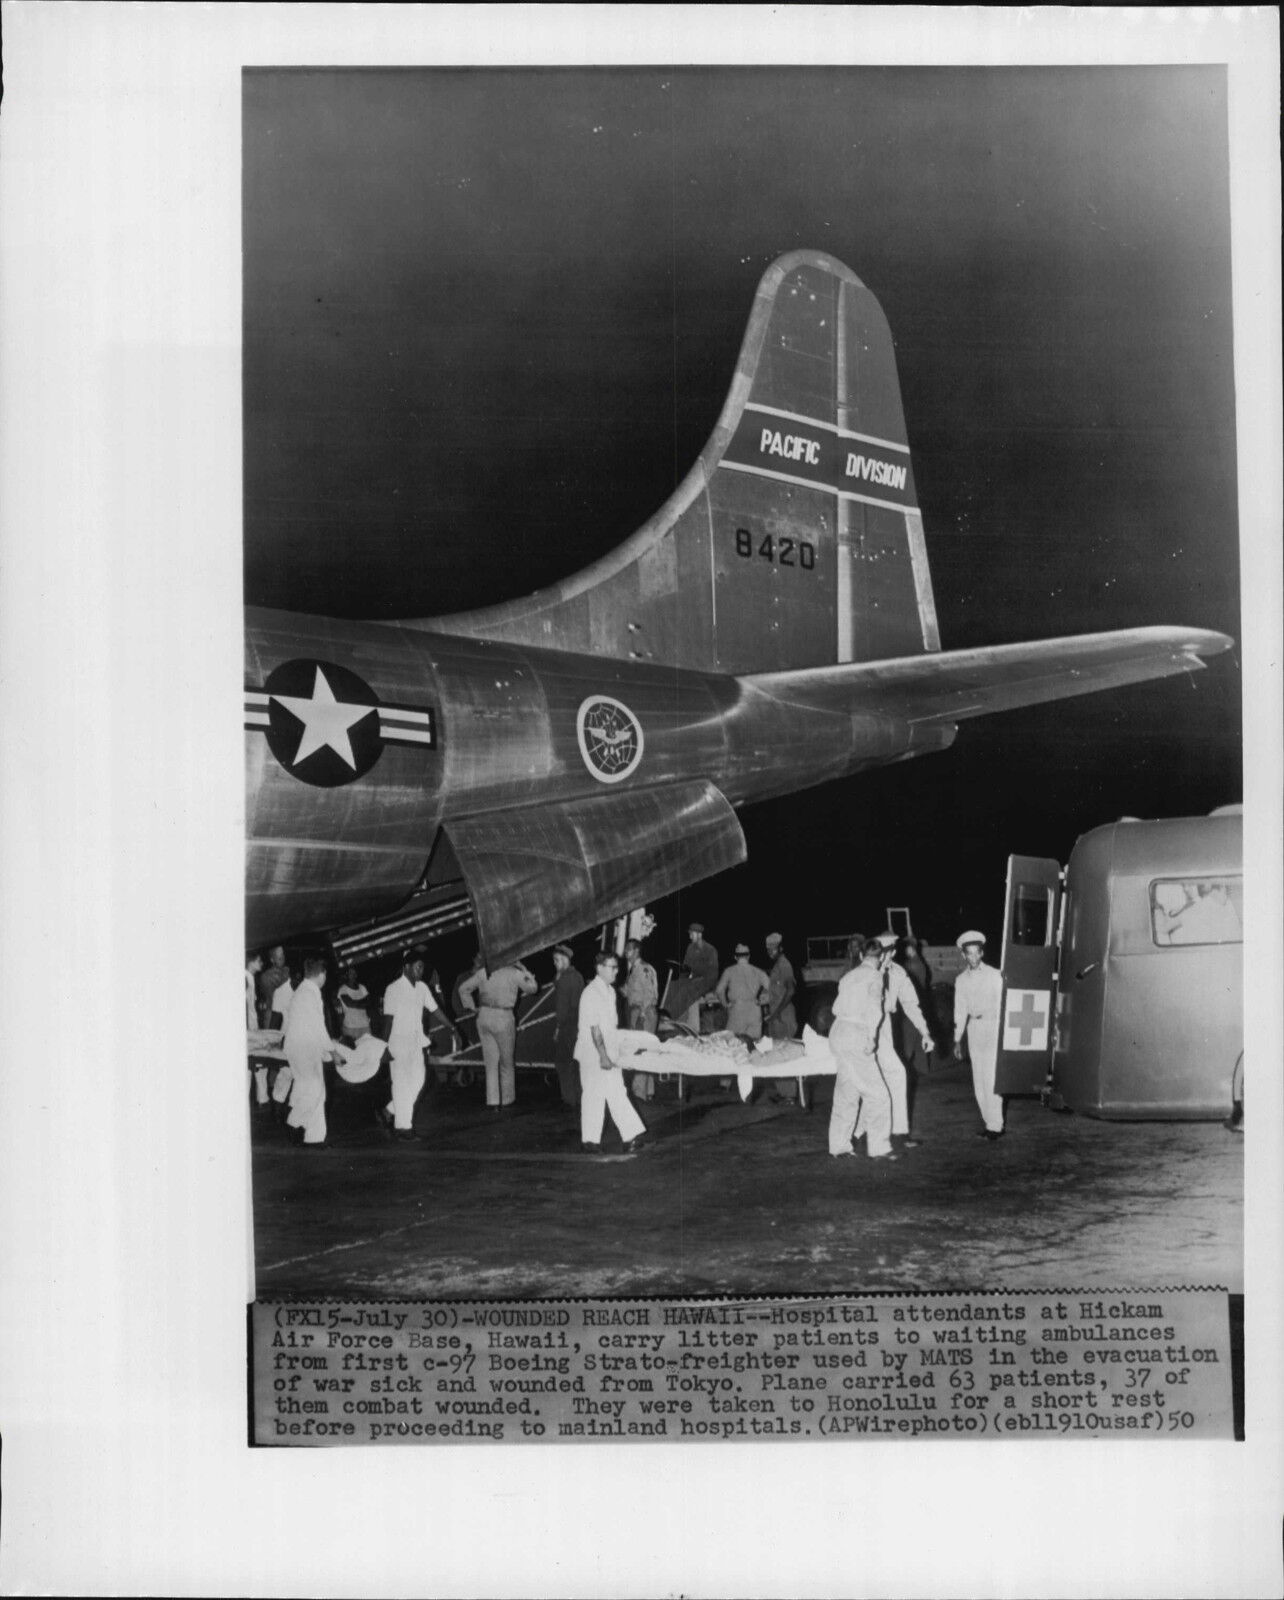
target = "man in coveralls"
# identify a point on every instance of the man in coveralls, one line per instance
(568, 986)
(404, 1004)
(898, 990)
(307, 1045)
(601, 1081)
(859, 1086)
(496, 995)
(978, 1001)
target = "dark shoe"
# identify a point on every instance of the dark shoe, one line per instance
(319, 1144)
(405, 1136)
(991, 1135)
(639, 1143)
(837, 1155)
(887, 1155)
(590, 1149)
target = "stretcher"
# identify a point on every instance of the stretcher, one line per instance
(355, 1063)
(683, 1057)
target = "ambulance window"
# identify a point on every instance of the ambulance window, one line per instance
(1031, 915)
(1197, 911)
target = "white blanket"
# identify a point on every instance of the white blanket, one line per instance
(645, 1053)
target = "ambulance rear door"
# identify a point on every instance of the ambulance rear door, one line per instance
(1031, 935)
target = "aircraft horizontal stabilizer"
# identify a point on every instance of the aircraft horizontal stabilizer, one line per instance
(532, 872)
(958, 684)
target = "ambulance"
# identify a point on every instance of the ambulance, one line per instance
(1123, 974)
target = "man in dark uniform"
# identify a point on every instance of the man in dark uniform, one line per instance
(780, 1020)
(568, 986)
(700, 963)
(270, 980)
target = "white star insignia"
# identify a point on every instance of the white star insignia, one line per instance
(325, 721)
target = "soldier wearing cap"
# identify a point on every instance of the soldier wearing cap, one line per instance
(496, 995)
(700, 964)
(568, 986)
(743, 989)
(860, 1089)
(897, 991)
(978, 1001)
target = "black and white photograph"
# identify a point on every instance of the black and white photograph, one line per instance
(695, 596)
(701, 526)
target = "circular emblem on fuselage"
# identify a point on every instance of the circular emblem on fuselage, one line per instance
(323, 722)
(610, 738)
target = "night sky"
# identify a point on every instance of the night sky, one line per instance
(491, 317)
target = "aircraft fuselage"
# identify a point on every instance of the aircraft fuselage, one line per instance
(343, 810)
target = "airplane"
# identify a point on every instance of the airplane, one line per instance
(575, 754)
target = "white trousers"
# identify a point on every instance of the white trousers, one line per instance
(281, 1085)
(307, 1101)
(859, 1091)
(408, 1077)
(602, 1089)
(897, 1080)
(260, 1086)
(983, 1048)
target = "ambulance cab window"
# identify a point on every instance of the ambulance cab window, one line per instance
(1031, 915)
(1197, 910)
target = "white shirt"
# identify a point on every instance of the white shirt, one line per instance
(860, 998)
(354, 1003)
(597, 1010)
(282, 999)
(405, 1003)
(978, 996)
(306, 1039)
(251, 1002)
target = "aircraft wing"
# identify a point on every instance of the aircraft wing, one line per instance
(951, 686)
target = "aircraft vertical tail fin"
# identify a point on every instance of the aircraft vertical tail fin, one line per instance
(795, 540)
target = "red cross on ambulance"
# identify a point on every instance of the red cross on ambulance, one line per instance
(1025, 1019)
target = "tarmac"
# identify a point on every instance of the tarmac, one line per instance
(729, 1198)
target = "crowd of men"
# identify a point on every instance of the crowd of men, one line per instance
(366, 1032)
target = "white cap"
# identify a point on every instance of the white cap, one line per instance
(884, 941)
(970, 937)
(773, 938)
